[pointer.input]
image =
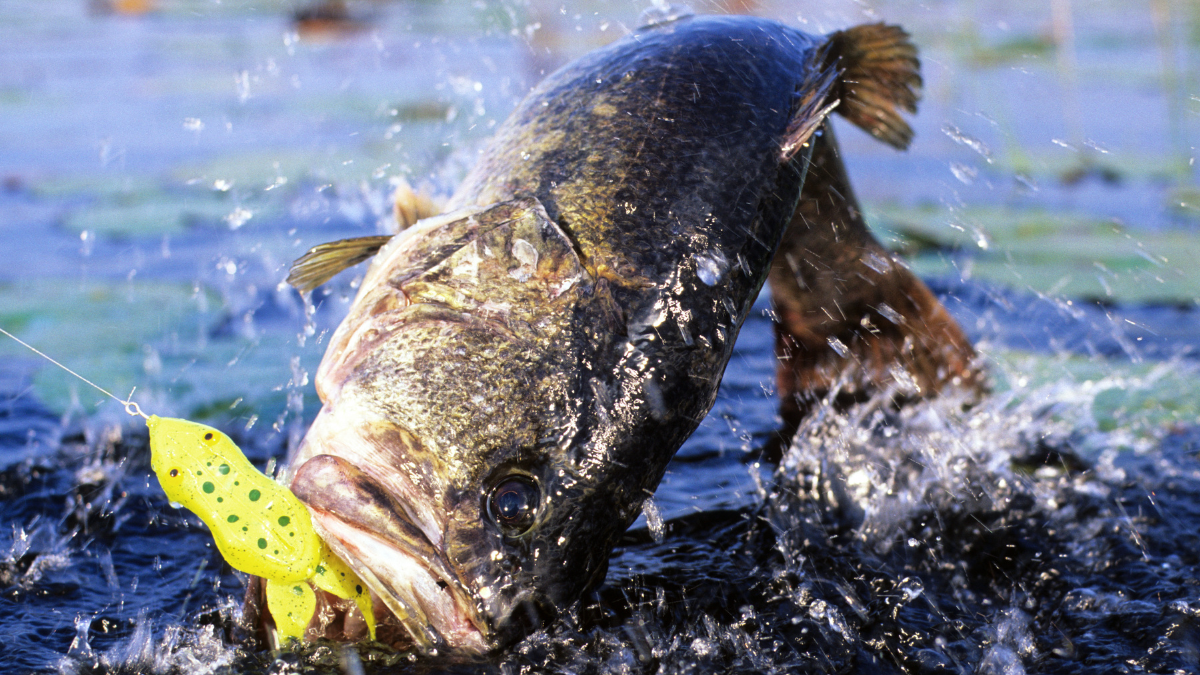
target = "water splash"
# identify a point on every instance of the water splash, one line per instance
(661, 12)
(958, 136)
(711, 267)
(654, 520)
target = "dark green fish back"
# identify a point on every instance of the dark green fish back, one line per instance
(664, 158)
(673, 160)
(660, 146)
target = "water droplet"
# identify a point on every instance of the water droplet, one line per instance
(711, 267)
(967, 140)
(661, 12)
(885, 310)
(238, 217)
(527, 255)
(912, 589)
(965, 174)
(877, 262)
(839, 347)
(654, 521)
(524, 252)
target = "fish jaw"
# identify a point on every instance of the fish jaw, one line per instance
(458, 368)
(386, 525)
(435, 613)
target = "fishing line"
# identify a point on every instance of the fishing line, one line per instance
(130, 407)
(180, 451)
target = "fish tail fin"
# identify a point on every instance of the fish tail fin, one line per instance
(850, 319)
(881, 75)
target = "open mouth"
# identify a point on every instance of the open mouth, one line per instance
(372, 532)
(435, 611)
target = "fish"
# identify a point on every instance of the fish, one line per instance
(517, 371)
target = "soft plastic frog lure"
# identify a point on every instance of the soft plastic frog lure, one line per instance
(260, 527)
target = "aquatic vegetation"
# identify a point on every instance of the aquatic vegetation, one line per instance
(1058, 254)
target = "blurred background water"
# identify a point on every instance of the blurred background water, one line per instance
(163, 161)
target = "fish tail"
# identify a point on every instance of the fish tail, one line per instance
(881, 75)
(850, 319)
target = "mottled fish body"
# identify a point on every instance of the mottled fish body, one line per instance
(516, 373)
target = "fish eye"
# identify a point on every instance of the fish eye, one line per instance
(174, 473)
(513, 504)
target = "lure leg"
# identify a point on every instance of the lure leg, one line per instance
(335, 577)
(292, 605)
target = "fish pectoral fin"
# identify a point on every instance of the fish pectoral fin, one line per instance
(325, 261)
(410, 206)
(880, 76)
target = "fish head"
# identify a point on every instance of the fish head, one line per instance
(454, 465)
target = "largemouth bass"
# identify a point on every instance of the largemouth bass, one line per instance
(516, 373)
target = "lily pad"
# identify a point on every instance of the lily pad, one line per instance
(153, 214)
(1140, 400)
(1048, 253)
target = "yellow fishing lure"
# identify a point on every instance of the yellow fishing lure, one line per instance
(260, 527)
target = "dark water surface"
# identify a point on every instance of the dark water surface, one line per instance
(159, 171)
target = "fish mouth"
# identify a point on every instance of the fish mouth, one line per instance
(378, 536)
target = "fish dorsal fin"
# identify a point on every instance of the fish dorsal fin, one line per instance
(323, 262)
(880, 76)
(815, 104)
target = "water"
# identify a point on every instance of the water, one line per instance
(160, 171)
